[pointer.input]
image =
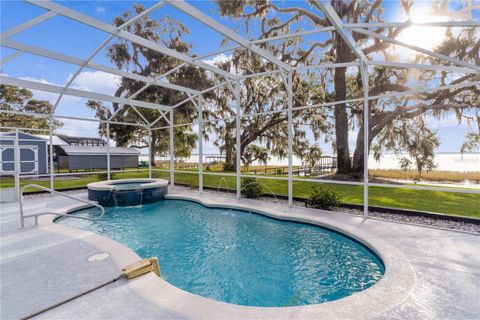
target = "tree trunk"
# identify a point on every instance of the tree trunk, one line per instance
(341, 122)
(152, 149)
(121, 141)
(229, 163)
(357, 165)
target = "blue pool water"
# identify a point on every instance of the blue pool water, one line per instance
(127, 186)
(240, 257)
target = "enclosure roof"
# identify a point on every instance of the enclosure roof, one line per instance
(92, 150)
(223, 78)
(82, 140)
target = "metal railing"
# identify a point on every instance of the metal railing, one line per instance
(36, 215)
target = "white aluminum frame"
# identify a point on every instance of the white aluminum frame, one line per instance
(232, 81)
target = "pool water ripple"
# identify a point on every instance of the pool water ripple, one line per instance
(240, 257)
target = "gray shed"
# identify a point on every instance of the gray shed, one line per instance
(95, 157)
(33, 154)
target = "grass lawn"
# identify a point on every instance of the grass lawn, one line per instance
(462, 204)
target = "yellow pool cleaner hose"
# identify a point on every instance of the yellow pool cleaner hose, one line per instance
(131, 271)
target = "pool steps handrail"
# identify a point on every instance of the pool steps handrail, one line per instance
(23, 216)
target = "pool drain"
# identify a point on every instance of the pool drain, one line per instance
(98, 257)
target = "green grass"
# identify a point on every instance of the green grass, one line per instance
(463, 204)
(75, 181)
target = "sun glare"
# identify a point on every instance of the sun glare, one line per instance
(424, 37)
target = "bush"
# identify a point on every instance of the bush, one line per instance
(229, 167)
(251, 188)
(102, 176)
(322, 198)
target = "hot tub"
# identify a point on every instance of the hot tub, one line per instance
(127, 192)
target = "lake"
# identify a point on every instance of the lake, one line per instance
(468, 162)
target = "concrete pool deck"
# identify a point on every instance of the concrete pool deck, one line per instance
(41, 266)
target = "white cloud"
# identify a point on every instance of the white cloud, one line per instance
(100, 9)
(79, 128)
(446, 121)
(221, 58)
(94, 81)
(42, 95)
(97, 81)
(49, 96)
(41, 81)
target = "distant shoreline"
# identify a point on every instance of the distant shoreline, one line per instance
(445, 161)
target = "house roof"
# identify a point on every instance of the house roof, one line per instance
(56, 140)
(95, 150)
(63, 140)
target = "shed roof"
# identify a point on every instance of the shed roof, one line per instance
(94, 150)
(22, 135)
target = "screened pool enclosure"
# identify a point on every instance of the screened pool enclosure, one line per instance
(355, 37)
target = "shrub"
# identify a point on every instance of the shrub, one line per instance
(251, 188)
(279, 171)
(208, 168)
(322, 198)
(229, 167)
(102, 176)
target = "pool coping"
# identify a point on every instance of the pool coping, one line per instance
(394, 288)
(109, 185)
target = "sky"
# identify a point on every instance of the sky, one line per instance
(72, 38)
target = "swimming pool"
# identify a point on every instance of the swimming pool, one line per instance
(240, 257)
